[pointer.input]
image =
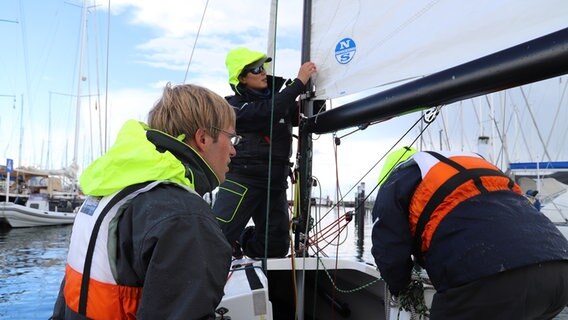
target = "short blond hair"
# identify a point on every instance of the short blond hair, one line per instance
(184, 108)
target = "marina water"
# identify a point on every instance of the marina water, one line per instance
(32, 262)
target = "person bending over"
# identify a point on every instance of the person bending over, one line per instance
(488, 252)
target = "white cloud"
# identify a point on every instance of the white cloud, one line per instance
(227, 24)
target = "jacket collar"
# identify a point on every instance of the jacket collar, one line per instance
(197, 170)
(273, 82)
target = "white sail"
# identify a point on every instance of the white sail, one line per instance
(359, 45)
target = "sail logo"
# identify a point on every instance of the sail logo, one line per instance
(345, 50)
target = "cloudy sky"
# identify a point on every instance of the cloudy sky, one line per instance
(142, 44)
(129, 53)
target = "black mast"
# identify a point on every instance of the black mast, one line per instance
(304, 160)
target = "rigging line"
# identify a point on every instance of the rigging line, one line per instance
(500, 155)
(556, 118)
(336, 139)
(83, 78)
(338, 194)
(507, 127)
(195, 42)
(521, 132)
(317, 221)
(82, 34)
(396, 143)
(444, 116)
(317, 230)
(98, 96)
(495, 125)
(26, 71)
(323, 233)
(329, 231)
(330, 238)
(535, 124)
(320, 218)
(565, 131)
(350, 133)
(505, 148)
(386, 153)
(362, 127)
(106, 81)
(293, 267)
(273, 102)
(476, 111)
(461, 124)
(334, 284)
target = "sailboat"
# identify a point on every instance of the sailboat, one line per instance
(388, 59)
(47, 197)
(38, 197)
(547, 181)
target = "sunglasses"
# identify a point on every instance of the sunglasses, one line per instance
(256, 70)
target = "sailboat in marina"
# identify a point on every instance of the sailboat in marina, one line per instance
(390, 59)
(548, 183)
(38, 198)
(45, 197)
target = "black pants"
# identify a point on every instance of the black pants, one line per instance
(534, 292)
(236, 203)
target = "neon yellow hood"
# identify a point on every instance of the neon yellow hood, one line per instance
(393, 159)
(238, 58)
(132, 159)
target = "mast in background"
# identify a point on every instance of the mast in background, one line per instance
(271, 45)
(74, 162)
(21, 112)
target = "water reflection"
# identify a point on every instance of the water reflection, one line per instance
(32, 261)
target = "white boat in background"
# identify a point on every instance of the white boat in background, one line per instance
(22, 216)
(550, 180)
(39, 198)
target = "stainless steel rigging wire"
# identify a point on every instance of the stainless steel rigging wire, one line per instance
(195, 42)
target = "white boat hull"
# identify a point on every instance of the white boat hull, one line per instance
(325, 288)
(19, 216)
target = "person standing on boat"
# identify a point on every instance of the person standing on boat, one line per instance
(265, 116)
(488, 252)
(145, 244)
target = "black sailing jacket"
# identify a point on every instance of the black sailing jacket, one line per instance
(482, 236)
(254, 115)
(168, 228)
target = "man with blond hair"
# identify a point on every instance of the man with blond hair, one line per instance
(145, 243)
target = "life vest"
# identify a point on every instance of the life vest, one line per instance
(447, 181)
(91, 288)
